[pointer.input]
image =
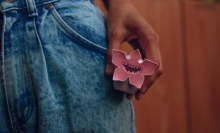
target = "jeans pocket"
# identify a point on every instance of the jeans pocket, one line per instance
(82, 22)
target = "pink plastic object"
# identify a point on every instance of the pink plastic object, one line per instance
(131, 70)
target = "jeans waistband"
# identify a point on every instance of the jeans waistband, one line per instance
(6, 5)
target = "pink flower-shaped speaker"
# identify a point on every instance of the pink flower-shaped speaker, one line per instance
(131, 70)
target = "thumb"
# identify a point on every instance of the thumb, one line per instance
(114, 43)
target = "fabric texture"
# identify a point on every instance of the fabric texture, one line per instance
(52, 70)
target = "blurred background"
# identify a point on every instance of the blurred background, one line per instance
(186, 98)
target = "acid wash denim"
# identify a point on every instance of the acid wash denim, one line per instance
(52, 70)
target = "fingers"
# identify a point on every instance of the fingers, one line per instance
(148, 82)
(149, 43)
(129, 96)
(115, 40)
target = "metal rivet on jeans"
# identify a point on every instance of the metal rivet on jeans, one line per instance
(49, 6)
(9, 1)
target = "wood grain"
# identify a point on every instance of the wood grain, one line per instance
(202, 24)
(163, 108)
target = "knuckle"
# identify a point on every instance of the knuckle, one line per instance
(152, 34)
(155, 36)
(114, 33)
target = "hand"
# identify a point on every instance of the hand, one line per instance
(125, 23)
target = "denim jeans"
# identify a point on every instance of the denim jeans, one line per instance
(52, 70)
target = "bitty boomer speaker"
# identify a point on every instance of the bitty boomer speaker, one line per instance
(131, 70)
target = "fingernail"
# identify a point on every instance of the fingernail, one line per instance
(140, 96)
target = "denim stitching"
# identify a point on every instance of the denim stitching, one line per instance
(30, 4)
(38, 39)
(23, 6)
(3, 72)
(71, 31)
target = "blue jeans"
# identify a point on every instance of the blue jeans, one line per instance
(52, 70)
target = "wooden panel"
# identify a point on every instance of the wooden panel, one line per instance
(203, 48)
(163, 108)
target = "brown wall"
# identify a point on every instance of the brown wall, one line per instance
(185, 99)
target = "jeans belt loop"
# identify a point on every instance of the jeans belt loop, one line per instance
(31, 7)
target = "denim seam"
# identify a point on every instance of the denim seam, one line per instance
(39, 41)
(14, 8)
(70, 31)
(24, 7)
(40, 45)
(52, 1)
(31, 7)
(3, 72)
